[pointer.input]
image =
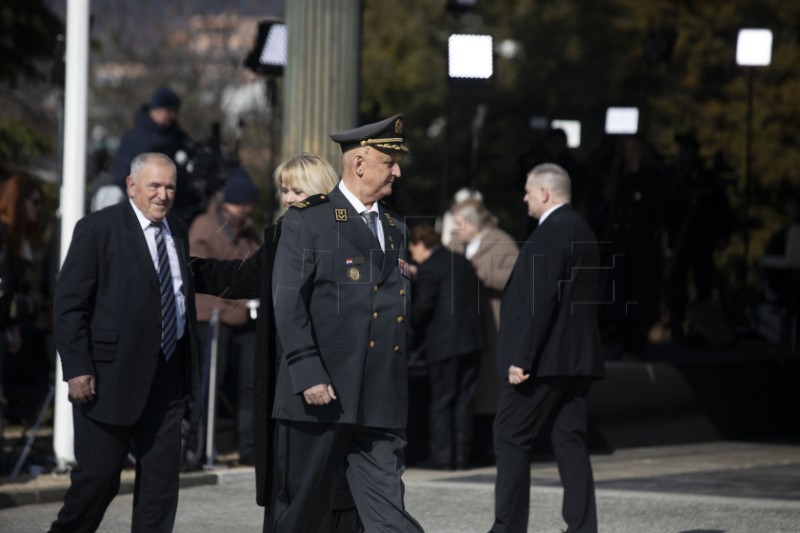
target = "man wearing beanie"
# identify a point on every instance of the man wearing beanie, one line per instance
(225, 231)
(156, 130)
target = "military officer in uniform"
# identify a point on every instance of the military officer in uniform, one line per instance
(341, 295)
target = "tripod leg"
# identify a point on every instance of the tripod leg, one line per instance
(34, 432)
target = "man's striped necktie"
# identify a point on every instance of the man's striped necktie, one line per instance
(169, 323)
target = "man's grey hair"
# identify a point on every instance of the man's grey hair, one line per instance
(554, 178)
(142, 159)
(475, 212)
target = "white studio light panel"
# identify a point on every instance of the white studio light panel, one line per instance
(470, 56)
(572, 128)
(754, 48)
(622, 120)
(274, 51)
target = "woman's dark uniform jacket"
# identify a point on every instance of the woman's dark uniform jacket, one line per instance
(252, 278)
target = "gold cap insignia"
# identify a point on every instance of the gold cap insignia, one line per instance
(341, 215)
(398, 125)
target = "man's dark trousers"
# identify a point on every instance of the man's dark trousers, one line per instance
(522, 412)
(103, 448)
(308, 461)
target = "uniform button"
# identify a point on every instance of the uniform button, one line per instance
(371, 344)
(375, 314)
(396, 348)
(399, 319)
(375, 288)
(402, 292)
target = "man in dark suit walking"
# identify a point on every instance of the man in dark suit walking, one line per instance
(446, 319)
(341, 293)
(124, 325)
(548, 350)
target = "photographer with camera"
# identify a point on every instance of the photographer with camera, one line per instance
(157, 130)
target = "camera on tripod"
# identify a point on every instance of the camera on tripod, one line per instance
(202, 168)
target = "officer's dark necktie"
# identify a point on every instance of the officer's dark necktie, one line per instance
(371, 218)
(169, 323)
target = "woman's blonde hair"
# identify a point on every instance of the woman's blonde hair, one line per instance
(308, 172)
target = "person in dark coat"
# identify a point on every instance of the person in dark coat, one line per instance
(225, 231)
(548, 351)
(156, 129)
(125, 326)
(296, 179)
(637, 194)
(446, 320)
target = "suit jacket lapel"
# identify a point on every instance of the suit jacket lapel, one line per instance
(353, 229)
(138, 243)
(180, 247)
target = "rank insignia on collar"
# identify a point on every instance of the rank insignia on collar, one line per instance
(341, 215)
(389, 219)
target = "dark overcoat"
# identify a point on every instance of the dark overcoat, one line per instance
(446, 313)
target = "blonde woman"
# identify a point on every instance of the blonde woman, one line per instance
(295, 180)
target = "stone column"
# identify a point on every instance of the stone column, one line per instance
(322, 75)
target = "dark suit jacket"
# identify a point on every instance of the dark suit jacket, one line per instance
(107, 313)
(341, 307)
(548, 319)
(446, 313)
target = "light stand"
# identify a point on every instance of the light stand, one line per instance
(753, 49)
(268, 58)
(470, 62)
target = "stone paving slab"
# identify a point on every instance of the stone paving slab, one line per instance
(635, 494)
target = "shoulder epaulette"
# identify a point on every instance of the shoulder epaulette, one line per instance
(316, 199)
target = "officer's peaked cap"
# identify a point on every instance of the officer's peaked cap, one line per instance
(386, 136)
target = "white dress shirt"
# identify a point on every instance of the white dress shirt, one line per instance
(361, 208)
(174, 266)
(547, 213)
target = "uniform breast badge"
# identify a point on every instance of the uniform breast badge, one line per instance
(352, 271)
(341, 215)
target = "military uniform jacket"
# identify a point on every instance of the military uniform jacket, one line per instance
(341, 308)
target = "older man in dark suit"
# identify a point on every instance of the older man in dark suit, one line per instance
(341, 293)
(124, 327)
(548, 350)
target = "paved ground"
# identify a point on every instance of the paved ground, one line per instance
(724, 487)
